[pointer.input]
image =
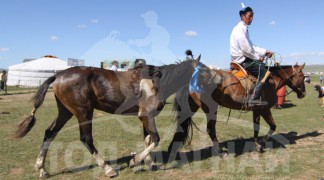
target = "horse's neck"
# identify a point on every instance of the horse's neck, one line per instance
(281, 77)
(174, 77)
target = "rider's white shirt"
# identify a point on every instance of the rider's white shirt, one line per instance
(241, 46)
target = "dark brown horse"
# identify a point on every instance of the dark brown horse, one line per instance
(141, 91)
(231, 94)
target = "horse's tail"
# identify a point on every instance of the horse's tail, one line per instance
(25, 126)
(181, 106)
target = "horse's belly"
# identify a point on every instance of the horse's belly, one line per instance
(128, 106)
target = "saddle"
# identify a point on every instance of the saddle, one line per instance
(247, 80)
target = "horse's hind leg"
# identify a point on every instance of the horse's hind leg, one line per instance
(183, 119)
(85, 125)
(63, 116)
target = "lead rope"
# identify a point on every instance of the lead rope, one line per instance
(229, 114)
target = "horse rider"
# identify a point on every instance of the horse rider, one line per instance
(139, 63)
(248, 55)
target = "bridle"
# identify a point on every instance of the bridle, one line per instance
(294, 87)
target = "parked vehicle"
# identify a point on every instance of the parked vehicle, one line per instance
(307, 79)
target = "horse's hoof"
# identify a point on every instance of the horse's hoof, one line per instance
(132, 163)
(223, 155)
(265, 150)
(44, 175)
(153, 167)
(112, 173)
(263, 147)
(109, 171)
(258, 148)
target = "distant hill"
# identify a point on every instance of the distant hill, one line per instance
(314, 68)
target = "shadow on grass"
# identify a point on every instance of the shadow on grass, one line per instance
(237, 147)
(286, 105)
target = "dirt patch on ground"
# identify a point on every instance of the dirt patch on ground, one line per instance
(16, 171)
(310, 141)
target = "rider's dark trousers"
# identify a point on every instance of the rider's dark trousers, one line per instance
(255, 68)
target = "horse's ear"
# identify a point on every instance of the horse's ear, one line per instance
(302, 66)
(198, 59)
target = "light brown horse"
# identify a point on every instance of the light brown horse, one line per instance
(141, 92)
(231, 94)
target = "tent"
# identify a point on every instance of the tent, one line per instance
(34, 73)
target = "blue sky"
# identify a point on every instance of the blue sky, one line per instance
(104, 29)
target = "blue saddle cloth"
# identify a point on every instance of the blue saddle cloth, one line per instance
(194, 85)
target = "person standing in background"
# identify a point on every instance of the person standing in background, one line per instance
(3, 79)
(114, 66)
(281, 93)
(321, 79)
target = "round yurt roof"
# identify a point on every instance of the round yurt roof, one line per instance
(45, 63)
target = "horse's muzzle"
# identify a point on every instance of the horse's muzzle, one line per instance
(301, 95)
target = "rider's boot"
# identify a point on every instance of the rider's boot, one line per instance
(255, 100)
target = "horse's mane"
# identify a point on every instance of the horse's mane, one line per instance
(172, 70)
(163, 75)
(277, 68)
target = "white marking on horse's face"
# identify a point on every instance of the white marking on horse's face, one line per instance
(147, 87)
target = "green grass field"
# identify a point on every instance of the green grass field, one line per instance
(314, 68)
(296, 150)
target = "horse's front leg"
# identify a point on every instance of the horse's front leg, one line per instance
(148, 159)
(154, 138)
(256, 128)
(210, 107)
(267, 116)
(211, 130)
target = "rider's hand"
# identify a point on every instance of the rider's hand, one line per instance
(269, 54)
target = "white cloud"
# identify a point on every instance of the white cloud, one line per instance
(54, 38)
(82, 26)
(4, 49)
(273, 23)
(94, 21)
(303, 55)
(191, 33)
